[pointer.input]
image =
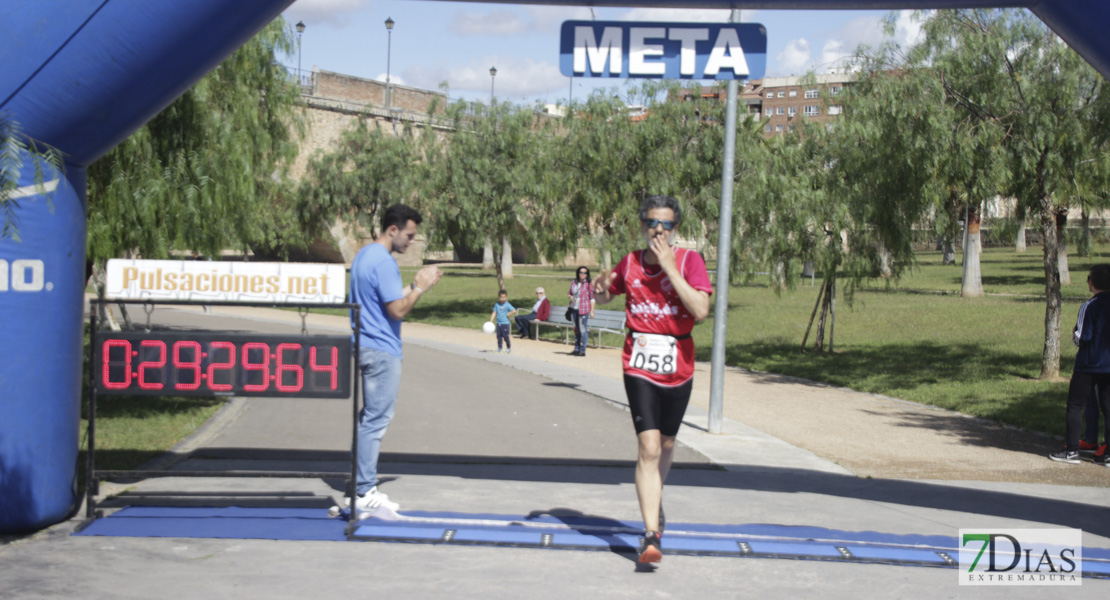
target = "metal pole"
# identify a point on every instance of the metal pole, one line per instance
(724, 250)
(388, 54)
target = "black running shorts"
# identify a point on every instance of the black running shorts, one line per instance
(657, 407)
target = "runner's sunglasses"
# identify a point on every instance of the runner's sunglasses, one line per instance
(653, 223)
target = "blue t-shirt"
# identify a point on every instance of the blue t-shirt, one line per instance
(503, 311)
(375, 282)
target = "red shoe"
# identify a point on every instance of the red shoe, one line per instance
(1085, 445)
(1101, 451)
(650, 552)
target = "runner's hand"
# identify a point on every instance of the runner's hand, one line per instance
(663, 253)
(603, 280)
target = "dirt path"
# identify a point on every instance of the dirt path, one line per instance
(870, 435)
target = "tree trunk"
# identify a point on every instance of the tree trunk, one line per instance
(497, 266)
(487, 254)
(973, 277)
(506, 258)
(1019, 240)
(778, 276)
(1085, 240)
(1050, 357)
(808, 271)
(885, 270)
(948, 251)
(607, 259)
(1062, 241)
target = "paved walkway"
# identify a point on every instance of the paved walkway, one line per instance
(539, 430)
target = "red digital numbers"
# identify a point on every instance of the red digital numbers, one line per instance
(152, 364)
(203, 364)
(262, 350)
(182, 366)
(294, 368)
(333, 368)
(220, 366)
(106, 355)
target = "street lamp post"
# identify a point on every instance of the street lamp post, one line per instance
(492, 74)
(388, 52)
(300, 30)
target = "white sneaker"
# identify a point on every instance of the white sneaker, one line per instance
(373, 500)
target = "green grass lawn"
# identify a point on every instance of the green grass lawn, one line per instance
(914, 338)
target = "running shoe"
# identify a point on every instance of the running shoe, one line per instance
(1102, 460)
(372, 500)
(650, 551)
(1085, 445)
(1101, 452)
(1067, 456)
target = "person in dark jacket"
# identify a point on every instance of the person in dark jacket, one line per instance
(1092, 363)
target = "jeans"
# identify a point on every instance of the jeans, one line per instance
(524, 324)
(581, 331)
(1090, 419)
(381, 380)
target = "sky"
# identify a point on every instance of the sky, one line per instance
(457, 42)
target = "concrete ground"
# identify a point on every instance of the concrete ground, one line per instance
(540, 430)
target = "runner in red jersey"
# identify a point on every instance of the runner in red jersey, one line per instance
(666, 294)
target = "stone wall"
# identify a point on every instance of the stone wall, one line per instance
(330, 106)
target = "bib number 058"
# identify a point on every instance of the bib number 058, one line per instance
(654, 353)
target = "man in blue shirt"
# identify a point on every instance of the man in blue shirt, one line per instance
(384, 300)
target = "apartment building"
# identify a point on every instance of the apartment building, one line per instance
(783, 100)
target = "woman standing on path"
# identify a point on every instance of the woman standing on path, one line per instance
(581, 296)
(666, 293)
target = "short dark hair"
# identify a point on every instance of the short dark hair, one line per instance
(1100, 277)
(661, 202)
(502, 292)
(400, 215)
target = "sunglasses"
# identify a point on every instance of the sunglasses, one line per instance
(653, 223)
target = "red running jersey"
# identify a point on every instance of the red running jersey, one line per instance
(652, 306)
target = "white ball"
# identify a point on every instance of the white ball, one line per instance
(488, 327)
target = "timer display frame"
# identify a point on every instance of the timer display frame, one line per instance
(170, 358)
(191, 363)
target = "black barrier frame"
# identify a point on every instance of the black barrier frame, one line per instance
(93, 476)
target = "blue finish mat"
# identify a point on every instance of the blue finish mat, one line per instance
(232, 522)
(551, 532)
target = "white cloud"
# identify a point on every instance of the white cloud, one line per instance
(794, 58)
(509, 22)
(516, 77)
(393, 79)
(497, 22)
(333, 12)
(907, 30)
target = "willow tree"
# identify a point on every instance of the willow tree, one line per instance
(15, 149)
(615, 158)
(487, 177)
(207, 173)
(347, 187)
(1006, 69)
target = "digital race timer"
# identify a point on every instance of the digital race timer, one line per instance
(163, 363)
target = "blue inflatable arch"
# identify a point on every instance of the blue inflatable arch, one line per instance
(82, 75)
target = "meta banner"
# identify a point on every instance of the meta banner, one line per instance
(663, 50)
(225, 281)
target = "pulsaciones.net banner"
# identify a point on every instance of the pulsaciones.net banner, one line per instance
(132, 279)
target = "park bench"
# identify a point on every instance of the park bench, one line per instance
(609, 321)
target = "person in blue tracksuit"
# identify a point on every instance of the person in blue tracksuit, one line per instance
(1091, 375)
